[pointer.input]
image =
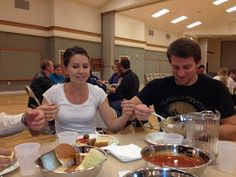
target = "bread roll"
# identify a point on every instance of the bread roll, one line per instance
(65, 154)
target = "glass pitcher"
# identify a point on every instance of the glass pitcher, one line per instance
(203, 130)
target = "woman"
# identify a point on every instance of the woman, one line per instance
(79, 101)
(116, 76)
(226, 80)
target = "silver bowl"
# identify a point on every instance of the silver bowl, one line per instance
(175, 124)
(158, 172)
(181, 150)
(47, 162)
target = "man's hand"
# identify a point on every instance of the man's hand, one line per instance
(4, 161)
(35, 119)
(142, 112)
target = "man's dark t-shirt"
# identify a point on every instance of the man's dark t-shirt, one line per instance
(171, 99)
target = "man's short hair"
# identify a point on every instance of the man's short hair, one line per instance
(201, 66)
(45, 63)
(184, 48)
(125, 63)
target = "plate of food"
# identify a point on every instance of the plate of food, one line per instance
(155, 138)
(13, 165)
(97, 140)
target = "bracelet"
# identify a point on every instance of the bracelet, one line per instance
(23, 120)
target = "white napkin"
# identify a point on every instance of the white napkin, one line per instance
(126, 153)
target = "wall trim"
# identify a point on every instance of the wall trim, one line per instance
(52, 29)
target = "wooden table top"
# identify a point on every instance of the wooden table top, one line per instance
(112, 166)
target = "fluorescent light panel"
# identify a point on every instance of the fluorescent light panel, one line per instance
(194, 24)
(179, 19)
(231, 9)
(218, 2)
(160, 13)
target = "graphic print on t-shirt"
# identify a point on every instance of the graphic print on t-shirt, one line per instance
(179, 105)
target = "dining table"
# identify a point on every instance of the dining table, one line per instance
(112, 166)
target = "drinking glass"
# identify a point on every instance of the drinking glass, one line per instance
(26, 154)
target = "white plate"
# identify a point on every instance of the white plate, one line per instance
(112, 140)
(155, 138)
(10, 168)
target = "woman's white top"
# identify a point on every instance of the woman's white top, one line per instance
(75, 117)
(231, 84)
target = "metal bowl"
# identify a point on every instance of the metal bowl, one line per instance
(47, 162)
(181, 150)
(158, 172)
(175, 124)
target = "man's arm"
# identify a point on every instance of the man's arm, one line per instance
(10, 124)
(227, 130)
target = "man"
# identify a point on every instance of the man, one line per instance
(185, 91)
(128, 87)
(202, 71)
(40, 84)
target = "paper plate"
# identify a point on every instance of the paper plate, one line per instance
(10, 168)
(155, 138)
(112, 140)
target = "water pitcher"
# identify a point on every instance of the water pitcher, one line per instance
(203, 130)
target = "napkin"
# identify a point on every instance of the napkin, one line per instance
(126, 153)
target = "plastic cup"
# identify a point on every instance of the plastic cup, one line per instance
(26, 154)
(173, 138)
(226, 156)
(68, 137)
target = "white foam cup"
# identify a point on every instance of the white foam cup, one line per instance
(26, 154)
(226, 156)
(68, 137)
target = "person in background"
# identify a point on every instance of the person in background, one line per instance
(116, 76)
(79, 101)
(226, 80)
(202, 71)
(232, 74)
(128, 87)
(57, 76)
(95, 81)
(41, 83)
(185, 91)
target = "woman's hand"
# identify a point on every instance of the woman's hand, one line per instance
(50, 111)
(128, 108)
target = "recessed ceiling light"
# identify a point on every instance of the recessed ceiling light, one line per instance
(194, 24)
(218, 2)
(179, 19)
(160, 13)
(231, 9)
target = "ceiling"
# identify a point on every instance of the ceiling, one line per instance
(210, 15)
